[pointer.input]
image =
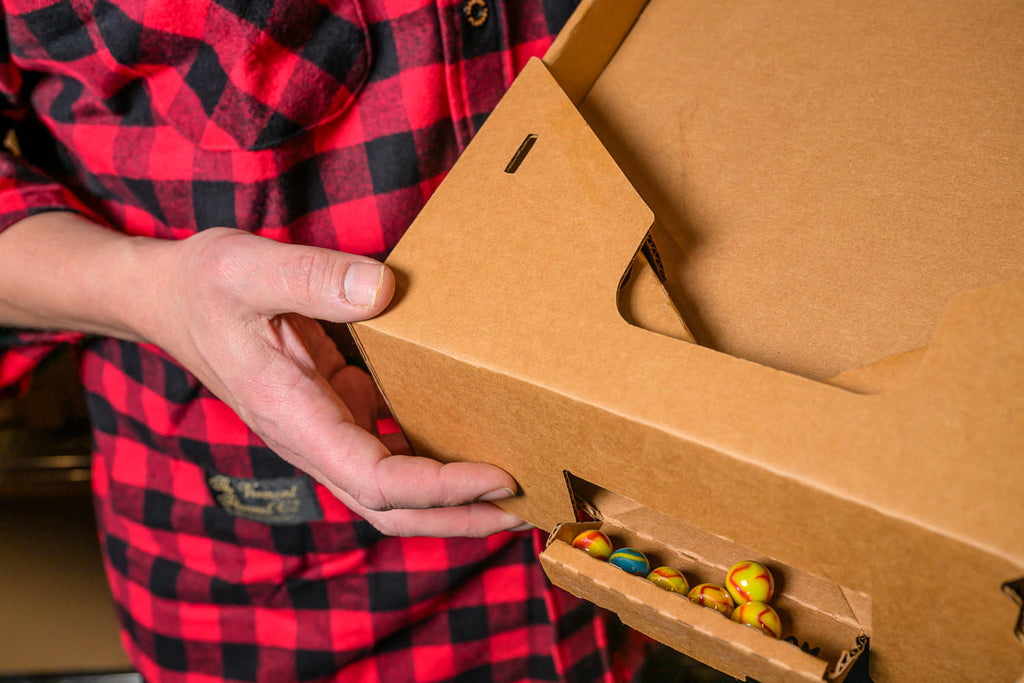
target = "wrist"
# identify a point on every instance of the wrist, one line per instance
(63, 271)
(143, 271)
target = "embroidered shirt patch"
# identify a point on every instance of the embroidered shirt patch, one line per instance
(281, 500)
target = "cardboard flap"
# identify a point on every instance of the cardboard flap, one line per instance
(588, 41)
(566, 222)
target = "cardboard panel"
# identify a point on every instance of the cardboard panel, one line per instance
(588, 41)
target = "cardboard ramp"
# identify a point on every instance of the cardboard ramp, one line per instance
(848, 406)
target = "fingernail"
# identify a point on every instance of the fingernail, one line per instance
(362, 283)
(526, 526)
(497, 494)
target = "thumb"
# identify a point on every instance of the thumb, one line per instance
(314, 282)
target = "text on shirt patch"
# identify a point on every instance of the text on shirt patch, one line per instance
(280, 500)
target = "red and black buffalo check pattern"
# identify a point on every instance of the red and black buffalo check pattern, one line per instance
(323, 122)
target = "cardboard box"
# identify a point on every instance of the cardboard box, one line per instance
(831, 196)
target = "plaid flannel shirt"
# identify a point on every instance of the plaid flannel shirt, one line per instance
(319, 122)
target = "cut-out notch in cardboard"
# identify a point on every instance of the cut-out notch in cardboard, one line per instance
(520, 156)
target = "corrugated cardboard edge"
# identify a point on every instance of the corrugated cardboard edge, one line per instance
(644, 302)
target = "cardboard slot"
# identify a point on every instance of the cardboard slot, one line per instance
(1015, 591)
(824, 626)
(517, 159)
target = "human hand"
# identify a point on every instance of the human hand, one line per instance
(240, 313)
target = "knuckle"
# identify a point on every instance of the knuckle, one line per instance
(467, 528)
(313, 274)
(384, 525)
(474, 532)
(226, 264)
(301, 275)
(363, 484)
(448, 494)
(371, 498)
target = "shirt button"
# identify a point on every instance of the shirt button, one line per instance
(476, 12)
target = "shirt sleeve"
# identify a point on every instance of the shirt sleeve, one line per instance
(25, 190)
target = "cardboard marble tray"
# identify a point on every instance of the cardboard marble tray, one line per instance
(833, 199)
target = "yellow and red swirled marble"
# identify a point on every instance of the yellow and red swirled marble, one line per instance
(759, 615)
(670, 579)
(713, 597)
(630, 560)
(749, 582)
(594, 543)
